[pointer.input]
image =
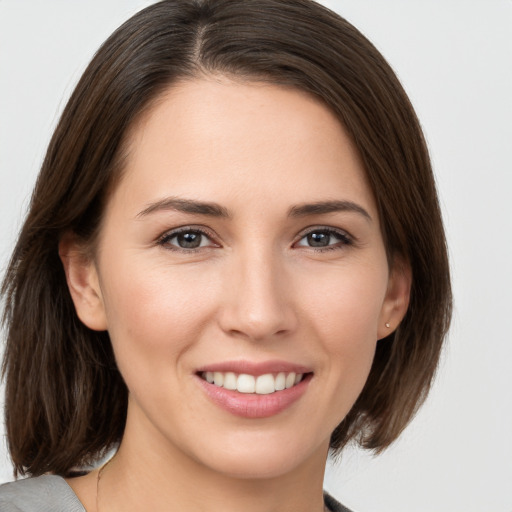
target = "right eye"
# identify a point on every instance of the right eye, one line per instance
(186, 240)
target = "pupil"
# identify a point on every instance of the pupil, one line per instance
(318, 239)
(189, 240)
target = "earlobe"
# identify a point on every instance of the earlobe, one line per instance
(397, 298)
(83, 283)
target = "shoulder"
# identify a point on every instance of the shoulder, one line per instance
(48, 493)
(332, 505)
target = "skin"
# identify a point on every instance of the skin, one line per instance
(254, 290)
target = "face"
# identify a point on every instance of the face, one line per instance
(242, 245)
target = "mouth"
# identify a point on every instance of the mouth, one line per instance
(265, 384)
(253, 391)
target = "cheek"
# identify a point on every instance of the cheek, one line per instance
(345, 314)
(347, 301)
(154, 315)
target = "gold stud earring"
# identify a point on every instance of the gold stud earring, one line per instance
(387, 325)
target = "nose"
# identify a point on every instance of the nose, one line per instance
(258, 298)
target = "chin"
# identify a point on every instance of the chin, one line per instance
(263, 458)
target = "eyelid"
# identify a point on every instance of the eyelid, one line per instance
(170, 233)
(163, 239)
(348, 239)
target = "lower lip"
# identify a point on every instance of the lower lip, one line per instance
(252, 405)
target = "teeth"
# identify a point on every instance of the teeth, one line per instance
(290, 380)
(261, 385)
(280, 381)
(246, 383)
(265, 384)
(230, 381)
(218, 378)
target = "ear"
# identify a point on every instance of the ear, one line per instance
(397, 297)
(83, 283)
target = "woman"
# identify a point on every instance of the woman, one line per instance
(233, 262)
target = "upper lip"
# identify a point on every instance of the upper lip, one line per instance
(255, 368)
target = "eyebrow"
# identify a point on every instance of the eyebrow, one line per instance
(186, 206)
(216, 210)
(323, 207)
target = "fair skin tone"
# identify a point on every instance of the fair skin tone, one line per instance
(256, 276)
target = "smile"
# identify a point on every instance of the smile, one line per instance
(254, 390)
(246, 383)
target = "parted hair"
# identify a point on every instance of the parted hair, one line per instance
(66, 401)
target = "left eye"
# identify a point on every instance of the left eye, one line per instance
(190, 239)
(323, 238)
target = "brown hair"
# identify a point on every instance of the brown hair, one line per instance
(65, 399)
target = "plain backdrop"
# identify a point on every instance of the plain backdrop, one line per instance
(454, 58)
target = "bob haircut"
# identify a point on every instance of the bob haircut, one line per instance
(66, 401)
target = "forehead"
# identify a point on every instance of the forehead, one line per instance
(217, 137)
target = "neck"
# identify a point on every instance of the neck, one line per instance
(149, 474)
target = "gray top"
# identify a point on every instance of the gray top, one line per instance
(47, 493)
(50, 493)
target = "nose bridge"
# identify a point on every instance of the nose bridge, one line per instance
(258, 304)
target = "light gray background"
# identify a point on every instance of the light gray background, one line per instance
(454, 58)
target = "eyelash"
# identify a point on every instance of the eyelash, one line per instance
(344, 238)
(165, 239)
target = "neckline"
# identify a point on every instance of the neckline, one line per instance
(329, 501)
